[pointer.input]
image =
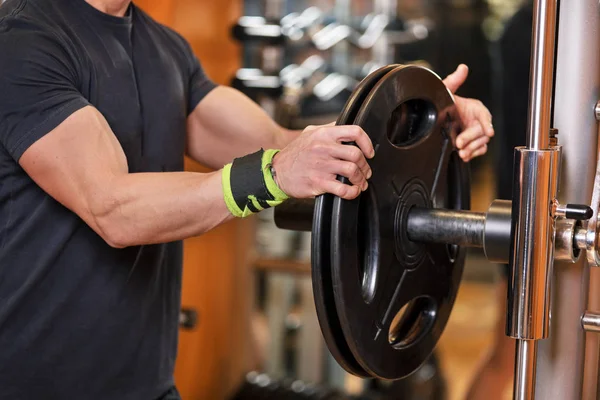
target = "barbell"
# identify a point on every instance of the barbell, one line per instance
(386, 266)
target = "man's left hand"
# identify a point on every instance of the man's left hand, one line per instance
(476, 118)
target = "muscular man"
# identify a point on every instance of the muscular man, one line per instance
(98, 105)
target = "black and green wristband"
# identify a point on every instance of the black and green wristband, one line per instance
(249, 185)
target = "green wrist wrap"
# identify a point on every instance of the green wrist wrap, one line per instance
(249, 186)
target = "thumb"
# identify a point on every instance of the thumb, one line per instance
(457, 78)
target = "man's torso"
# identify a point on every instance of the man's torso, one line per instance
(79, 319)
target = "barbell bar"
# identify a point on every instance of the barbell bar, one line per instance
(488, 230)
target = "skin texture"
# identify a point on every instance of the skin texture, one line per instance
(89, 175)
(116, 8)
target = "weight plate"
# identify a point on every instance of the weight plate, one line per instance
(393, 297)
(321, 271)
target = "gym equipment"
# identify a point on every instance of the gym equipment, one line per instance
(549, 254)
(364, 250)
(412, 130)
(293, 76)
(321, 268)
(259, 386)
(293, 27)
(312, 27)
(310, 78)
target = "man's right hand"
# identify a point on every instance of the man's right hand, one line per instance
(309, 165)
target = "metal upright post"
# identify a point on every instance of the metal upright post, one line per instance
(561, 370)
(533, 225)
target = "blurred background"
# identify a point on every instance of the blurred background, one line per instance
(248, 318)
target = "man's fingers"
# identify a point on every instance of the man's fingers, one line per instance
(484, 117)
(350, 171)
(486, 124)
(468, 135)
(340, 189)
(470, 149)
(457, 78)
(353, 154)
(352, 133)
(479, 152)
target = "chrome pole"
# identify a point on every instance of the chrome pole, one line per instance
(525, 367)
(536, 175)
(567, 361)
(542, 74)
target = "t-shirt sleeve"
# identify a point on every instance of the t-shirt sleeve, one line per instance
(200, 84)
(38, 88)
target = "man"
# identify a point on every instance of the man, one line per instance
(98, 104)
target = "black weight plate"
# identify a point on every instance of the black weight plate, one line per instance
(376, 271)
(320, 254)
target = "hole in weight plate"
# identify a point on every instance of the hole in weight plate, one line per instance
(412, 322)
(368, 243)
(411, 121)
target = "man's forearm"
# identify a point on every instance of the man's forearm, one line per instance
(227, 124)
(146, 208)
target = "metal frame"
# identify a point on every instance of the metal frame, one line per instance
(561, 366)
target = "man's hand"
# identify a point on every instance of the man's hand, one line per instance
(309, 165)
(476, 118)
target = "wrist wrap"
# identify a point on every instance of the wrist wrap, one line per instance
(249, 185)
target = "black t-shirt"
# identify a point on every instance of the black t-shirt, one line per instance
(79, 319)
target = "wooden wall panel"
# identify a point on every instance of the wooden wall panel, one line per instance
(160, 10)
(206, 24)
(216, 280)
(213, 359)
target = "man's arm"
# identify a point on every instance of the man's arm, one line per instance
(88, 174)
(67, 147)
(227, 124)
(81, 164)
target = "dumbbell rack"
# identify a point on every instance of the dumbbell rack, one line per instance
(283, 68)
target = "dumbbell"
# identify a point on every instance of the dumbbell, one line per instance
(292, 27)
(307, 81)
(252, 81)
(305, 28)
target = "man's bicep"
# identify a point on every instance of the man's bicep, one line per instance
(76, 162)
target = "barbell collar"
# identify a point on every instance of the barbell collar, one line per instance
(496, 238)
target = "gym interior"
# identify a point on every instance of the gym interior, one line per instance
(249, 324)
(504, 306)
